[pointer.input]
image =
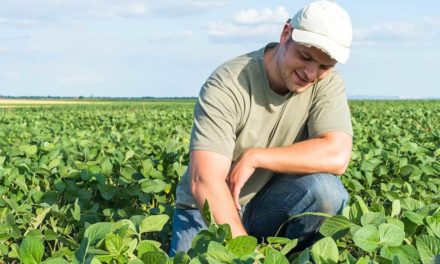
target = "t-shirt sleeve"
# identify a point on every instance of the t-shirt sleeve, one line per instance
(216, 116)
(329, 110)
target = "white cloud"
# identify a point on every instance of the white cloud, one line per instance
(426, 29)
(250, 24)
(138, 8)
(201, 3)
(173, 8)
(118, 9)
(389, 32)
(36, 12)
(231, 30)
(265, 16)
(431, 21)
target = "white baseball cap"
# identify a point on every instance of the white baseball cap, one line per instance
(325, 25)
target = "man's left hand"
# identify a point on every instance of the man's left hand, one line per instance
(241, 170)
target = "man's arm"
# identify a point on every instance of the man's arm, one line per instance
(208, 181)
(329, 152)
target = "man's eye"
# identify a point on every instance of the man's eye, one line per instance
(305, 57)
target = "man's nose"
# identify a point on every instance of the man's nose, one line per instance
(311, 70)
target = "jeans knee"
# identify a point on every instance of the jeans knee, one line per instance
(329, 195)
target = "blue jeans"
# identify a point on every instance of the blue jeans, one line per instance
(283, 196)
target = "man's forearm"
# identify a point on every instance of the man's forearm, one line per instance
(326, 154)
(208, 182)
(221, 205)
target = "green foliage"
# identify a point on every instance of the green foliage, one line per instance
(96, 184)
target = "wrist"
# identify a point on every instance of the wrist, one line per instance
(253, 157)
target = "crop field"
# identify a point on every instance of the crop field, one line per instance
(95, 183)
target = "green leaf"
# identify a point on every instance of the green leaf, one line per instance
(278, 240)
(76, 211)
(434, 223)
(154, 257)
(207, 215)
(40, 216)
(361, 203)
(30, 150)
(146, 246)
(396, 260)
(364, 260)
(325, 251)
(219, 252)
(357, 209)
(81, 253)
(54, 163)
(21, 182)
(31, 250)
(153, 186)
(411, 204)
(373, 218)
(242, 245)
(153, 223)
(275, 257)
(200, 242)
(181, 258)
(406, 170)
(127, 172)
(367, 238)
(391, 235)
(107, 191)
(115, 245)
(55, 261)
(414, 217)
(106, 167)
(97, 231)
(396, 222)
(335, 225)
(289, 246)
(304, 257)
(369, 165)
(128, 155)
(428, 248)
(396, 208)
(407, 254)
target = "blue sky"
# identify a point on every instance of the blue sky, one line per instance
(161, 48)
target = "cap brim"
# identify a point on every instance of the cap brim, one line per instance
(337, 51)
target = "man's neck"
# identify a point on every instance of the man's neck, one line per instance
(272, 71)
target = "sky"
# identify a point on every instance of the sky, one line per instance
(167, 48)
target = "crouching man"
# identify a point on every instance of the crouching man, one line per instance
(271, 133)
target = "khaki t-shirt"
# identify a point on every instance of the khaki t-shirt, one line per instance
(237, 109)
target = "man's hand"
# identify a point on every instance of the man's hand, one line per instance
(240, 172)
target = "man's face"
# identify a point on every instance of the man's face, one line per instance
(301, 66)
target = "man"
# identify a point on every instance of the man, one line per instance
(271, 130)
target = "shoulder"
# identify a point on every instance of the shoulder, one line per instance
(246, 64)
(332, 83)
(333, 78)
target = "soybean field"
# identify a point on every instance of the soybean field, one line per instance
(95, 183)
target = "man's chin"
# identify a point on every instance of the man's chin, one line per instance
(301, 89)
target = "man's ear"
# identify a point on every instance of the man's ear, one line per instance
(286, 34)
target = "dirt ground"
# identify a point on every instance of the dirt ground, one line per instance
(8, 103)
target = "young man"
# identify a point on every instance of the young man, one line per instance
(271, 130)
